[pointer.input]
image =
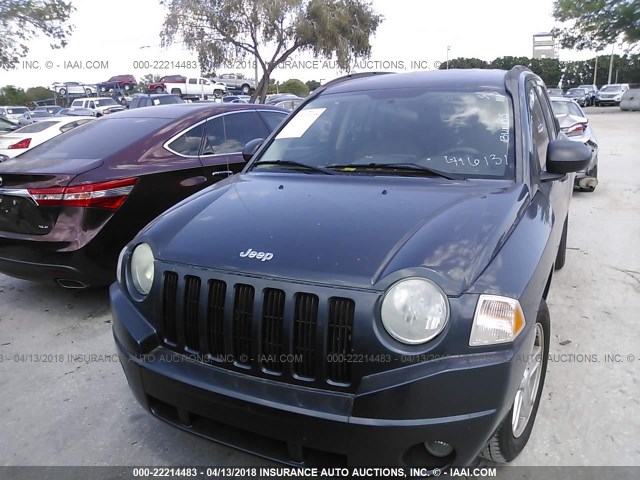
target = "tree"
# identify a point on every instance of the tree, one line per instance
(22, 20)
(312, 85)
(548, 69)
(508, 62)
(596, 24)
(35, 94)
(226, 31)
(464, 63)
(145, 80)
(11, 95)
(294, 86)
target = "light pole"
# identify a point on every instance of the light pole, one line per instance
(448, 48)
(611, 63)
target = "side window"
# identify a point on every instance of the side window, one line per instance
(545, 103)
(240, 128)
(193, 81)
(214, 137)
(188, 144)
(92, 105)
(538, 127)
(134, 103)
(77, 103)
(273, 119)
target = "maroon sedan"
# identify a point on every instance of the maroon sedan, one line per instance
(68, 206)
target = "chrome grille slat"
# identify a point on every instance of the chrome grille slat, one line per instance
(169, 307)
(340, 331)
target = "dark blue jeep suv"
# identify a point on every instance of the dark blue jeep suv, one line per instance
(370, 290)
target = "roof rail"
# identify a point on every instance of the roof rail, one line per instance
(351, 76)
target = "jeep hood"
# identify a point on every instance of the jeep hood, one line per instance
(342, 230)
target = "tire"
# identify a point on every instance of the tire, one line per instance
(127, 87)
(159, 90)
(505, 445)
(591, 173)
(62, 92)
(176, 91)
(88, 92)
(103, 89)
(246, 89)
(561, 256)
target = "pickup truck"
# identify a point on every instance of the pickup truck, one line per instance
(160, 85)
(100, 105)
(196, 86)
(231, 80)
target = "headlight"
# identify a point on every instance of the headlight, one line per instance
(414, 310)
(142, 268)
(497, 320)
(618, 98)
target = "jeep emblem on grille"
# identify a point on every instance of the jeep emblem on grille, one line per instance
(263, 256)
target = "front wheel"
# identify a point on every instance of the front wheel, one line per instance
(515, 430)
(127, 87)
(159, 89)
(62, 92)
(246, 89)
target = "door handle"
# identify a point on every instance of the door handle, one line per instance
(223, 172)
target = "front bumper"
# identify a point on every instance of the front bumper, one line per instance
(467, 396)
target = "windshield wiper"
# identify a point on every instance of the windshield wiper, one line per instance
(290, 163)
(410, 167)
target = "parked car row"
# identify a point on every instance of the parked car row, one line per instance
(587, 95)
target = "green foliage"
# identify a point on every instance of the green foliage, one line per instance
(294, 86)
(11, 95)
(225, 31)
(312, 85)
(572, 73)
(597, 24)
(465, 63)
(145, 80)
(22, 20)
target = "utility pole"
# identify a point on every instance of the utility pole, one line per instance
(448, 48)
(611, 63)
(595, 70)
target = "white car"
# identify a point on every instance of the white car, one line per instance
(12, 113)
(25, 138)
(73, 88)
(100, 105)
(29, 117)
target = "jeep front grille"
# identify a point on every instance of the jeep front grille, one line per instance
(267, 332)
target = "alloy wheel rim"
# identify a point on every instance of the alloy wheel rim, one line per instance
(527, 393)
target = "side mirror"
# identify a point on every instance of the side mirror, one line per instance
(14, 127)
(566, 156)
(251, 148)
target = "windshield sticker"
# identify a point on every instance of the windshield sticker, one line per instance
(489, 160)
(300, 123)
(491, 95)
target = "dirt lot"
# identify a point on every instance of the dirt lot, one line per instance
(62, 406)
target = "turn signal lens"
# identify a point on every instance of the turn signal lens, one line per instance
(497, 320)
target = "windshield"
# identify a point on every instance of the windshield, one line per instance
(611, 88)
(106, 101)
(576, 91)
(464, 133)
(566, 108)
(16, 110)
(40, 113)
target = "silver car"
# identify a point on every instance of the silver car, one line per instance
(73, 88)
(575, 124)
(12, 113)
(28, 117)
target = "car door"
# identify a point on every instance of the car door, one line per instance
(544, 129)
(225, 137)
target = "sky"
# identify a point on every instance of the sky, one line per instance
(123, 37)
